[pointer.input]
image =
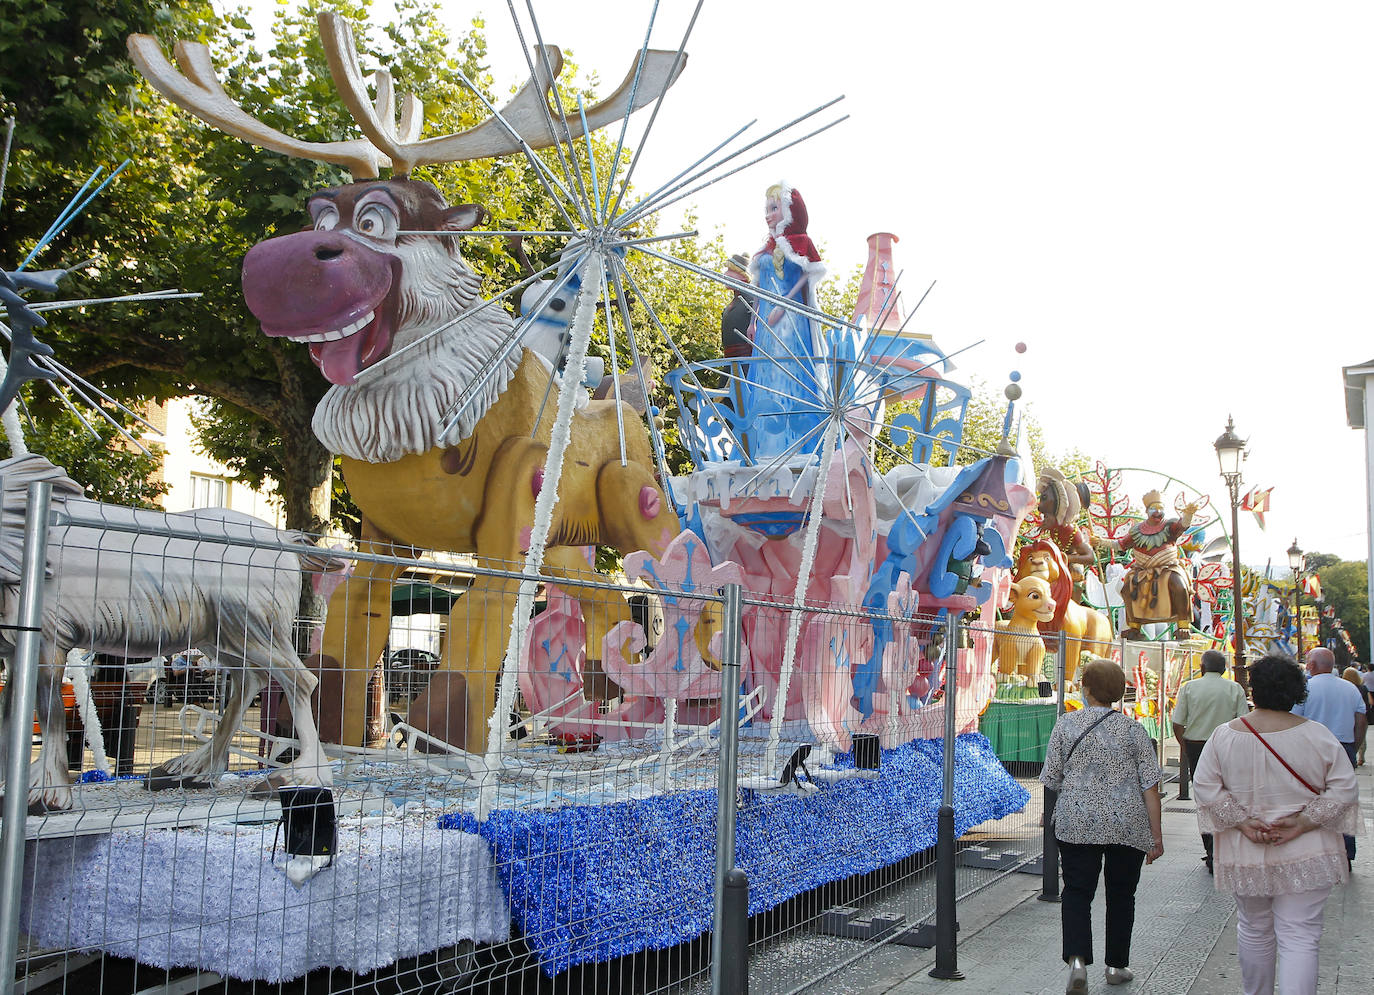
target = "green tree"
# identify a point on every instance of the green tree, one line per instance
(108, 467)
(1345, 588)
(195, 201)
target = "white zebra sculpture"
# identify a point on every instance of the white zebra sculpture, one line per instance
(142, 593)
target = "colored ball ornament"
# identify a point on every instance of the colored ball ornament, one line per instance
(1013, 392)
(1020, 347)
(1015, 376)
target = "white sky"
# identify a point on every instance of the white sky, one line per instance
(1169, 203)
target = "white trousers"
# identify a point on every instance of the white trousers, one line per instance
(1287, 925)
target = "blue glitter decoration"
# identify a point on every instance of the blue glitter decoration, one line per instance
(590, 883)
(94, 776)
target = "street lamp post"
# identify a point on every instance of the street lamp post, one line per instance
(1296, 561)
(1230, 452)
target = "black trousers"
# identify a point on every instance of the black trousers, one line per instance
(1192, 748)
(1350, 840)
(1081, 865)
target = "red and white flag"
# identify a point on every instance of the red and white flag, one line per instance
(1257, 501)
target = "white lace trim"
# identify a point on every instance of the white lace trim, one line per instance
(1321, 871)
(1344, 817)
(1221, 814)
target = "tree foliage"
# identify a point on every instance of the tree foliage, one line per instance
(1345, 587)
(106, 464)
(194, 200)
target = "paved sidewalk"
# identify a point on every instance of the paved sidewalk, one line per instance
(1184, 933)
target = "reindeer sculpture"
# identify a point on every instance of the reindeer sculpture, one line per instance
(128, 590)
(358, 292)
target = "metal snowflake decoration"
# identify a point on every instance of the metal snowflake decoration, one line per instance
(31, 359)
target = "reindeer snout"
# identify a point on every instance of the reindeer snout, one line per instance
(310, 280)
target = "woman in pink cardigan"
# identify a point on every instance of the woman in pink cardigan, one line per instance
(1277, 791)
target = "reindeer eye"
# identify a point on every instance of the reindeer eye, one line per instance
(326, 216)
(375, 221)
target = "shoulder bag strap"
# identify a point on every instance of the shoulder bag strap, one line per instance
(1083, 735)
(1280, 759)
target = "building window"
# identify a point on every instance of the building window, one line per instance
(208, 492)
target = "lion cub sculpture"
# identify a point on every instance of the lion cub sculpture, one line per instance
(1019, 650)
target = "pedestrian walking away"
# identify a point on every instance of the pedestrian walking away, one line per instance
(1106, 819)
(1204, 704)
(1352, 675)
(1278, 791)
(1337, 705)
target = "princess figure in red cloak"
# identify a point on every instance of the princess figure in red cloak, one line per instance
(783, 397)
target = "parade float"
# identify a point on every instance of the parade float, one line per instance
(467, 427)
(1131, 582)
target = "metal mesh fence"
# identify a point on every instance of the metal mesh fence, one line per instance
(470, 779)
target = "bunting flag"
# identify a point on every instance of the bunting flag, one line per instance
(1257, 501)
(1312, 587)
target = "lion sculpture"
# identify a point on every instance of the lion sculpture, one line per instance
(1019, 649)
(1084, 628)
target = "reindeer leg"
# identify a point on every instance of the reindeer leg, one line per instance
(456, 705)
(637, 515)
(356, 628)
(191, 770)
(311, 766)
(49, 780)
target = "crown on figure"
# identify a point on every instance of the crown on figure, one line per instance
(1153, 498)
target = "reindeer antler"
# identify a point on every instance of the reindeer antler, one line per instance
(196, 89)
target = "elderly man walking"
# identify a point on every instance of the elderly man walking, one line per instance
(1336, 704)
(1204, 704)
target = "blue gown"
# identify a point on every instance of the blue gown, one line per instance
(782, 391)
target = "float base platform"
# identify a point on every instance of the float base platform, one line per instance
(581, 883)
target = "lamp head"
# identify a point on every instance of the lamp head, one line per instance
(1295, 557)
(1230, 450)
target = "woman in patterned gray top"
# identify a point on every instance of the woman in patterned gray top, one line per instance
(1106, 819)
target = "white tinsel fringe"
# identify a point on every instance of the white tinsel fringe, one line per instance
(569, 387)
(10, 420)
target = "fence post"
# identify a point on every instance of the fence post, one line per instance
(23, 689)
(729, 947)
(1162, 702)
(1049, 851)
(946, 924)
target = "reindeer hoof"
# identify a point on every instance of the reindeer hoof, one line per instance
(161, 779)
(50, 801)
(267, 787)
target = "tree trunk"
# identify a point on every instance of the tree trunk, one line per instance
(305, 472)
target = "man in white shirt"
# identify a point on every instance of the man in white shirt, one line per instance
(1335, 703)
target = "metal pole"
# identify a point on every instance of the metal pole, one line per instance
(1242, 673)
(1163, 700)
(735, 950)
(946, 925)
(23, 690)
(1185, 774)
(1049, 846)
(1297, 612)
(726, 780)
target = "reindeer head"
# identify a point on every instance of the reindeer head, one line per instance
(348, 285)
